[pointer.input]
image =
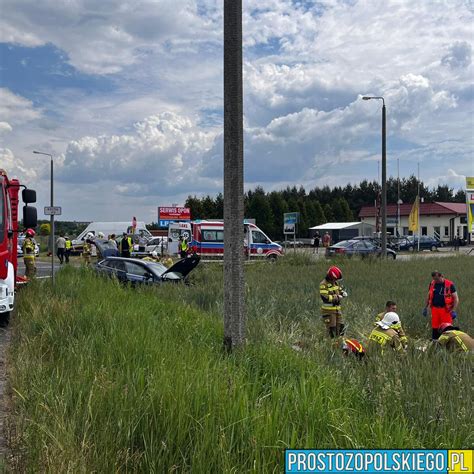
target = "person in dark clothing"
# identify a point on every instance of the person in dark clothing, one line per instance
(125, 246)
(316, 242)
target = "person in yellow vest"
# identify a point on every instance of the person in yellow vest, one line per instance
(87, 250)
(454, 340)
(28, 248)
(391, 307)
(183, 247)
(386, 334)
(332, 293)
(68, 249)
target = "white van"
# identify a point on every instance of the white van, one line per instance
(109, 228)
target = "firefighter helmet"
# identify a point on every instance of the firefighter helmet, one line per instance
(334, 273)
(353, 346)
(30, 232)
(445, 327)
(390, 320)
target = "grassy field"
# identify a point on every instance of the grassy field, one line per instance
(106, 378)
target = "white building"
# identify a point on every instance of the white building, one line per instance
(343, 230)
(443, 220)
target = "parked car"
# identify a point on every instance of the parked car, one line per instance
(361, 247)
(410, 243)
(21, 238)
(377, 241)
(155, 244)
(135, 271)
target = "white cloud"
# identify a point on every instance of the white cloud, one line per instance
(104, 37)
(160, 156)
(5, 128)
(15, 166)
(16, 109)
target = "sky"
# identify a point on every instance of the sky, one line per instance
(128, 97)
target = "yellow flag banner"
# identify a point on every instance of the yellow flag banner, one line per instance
(413, 223)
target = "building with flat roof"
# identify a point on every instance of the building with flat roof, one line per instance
(444, 220)
(343, 230)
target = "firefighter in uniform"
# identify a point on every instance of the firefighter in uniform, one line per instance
(391, 307)
(454, 340)
(87, 250)
(331, 293)
(387, 334)
(29, 253)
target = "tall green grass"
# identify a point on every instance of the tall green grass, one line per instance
(106, 378)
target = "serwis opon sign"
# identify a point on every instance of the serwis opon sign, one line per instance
(174, 214)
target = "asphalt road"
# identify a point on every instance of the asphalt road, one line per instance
(43, 269)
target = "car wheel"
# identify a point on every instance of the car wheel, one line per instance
(393, 255)
(272, 258)
(411, 248)
(434, 248)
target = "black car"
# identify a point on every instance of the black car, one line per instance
(410, 243)
(377, 241)
(361, 248)
(135, 271)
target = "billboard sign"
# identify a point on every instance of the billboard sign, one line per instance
(174, 213)
(290, 218)
(470, 203)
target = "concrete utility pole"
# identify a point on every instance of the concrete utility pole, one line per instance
(52, 242)
(384, 174)
(234, 296)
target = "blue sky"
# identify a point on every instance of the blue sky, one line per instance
(128, 96)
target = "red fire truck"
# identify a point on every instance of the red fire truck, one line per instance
(9, 203)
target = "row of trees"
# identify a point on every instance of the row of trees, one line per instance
(319, 205)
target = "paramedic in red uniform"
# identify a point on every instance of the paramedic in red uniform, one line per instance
(443, 301)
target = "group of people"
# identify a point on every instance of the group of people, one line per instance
(442, 301)
(326, 241)
(63, 248)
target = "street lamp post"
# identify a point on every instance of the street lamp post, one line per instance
(52, 215)
(384, 174)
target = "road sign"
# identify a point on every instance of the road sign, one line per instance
(52, 210)
(291, 217)
(289, 229)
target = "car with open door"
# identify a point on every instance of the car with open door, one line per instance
(136, 271)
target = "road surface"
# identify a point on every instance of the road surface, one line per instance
(43, 269)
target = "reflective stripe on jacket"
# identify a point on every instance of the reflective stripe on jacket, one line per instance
(28, 248)
(329, 293)
(386, 337)
(456, 341)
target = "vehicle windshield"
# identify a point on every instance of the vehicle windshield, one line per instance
(345, 243)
